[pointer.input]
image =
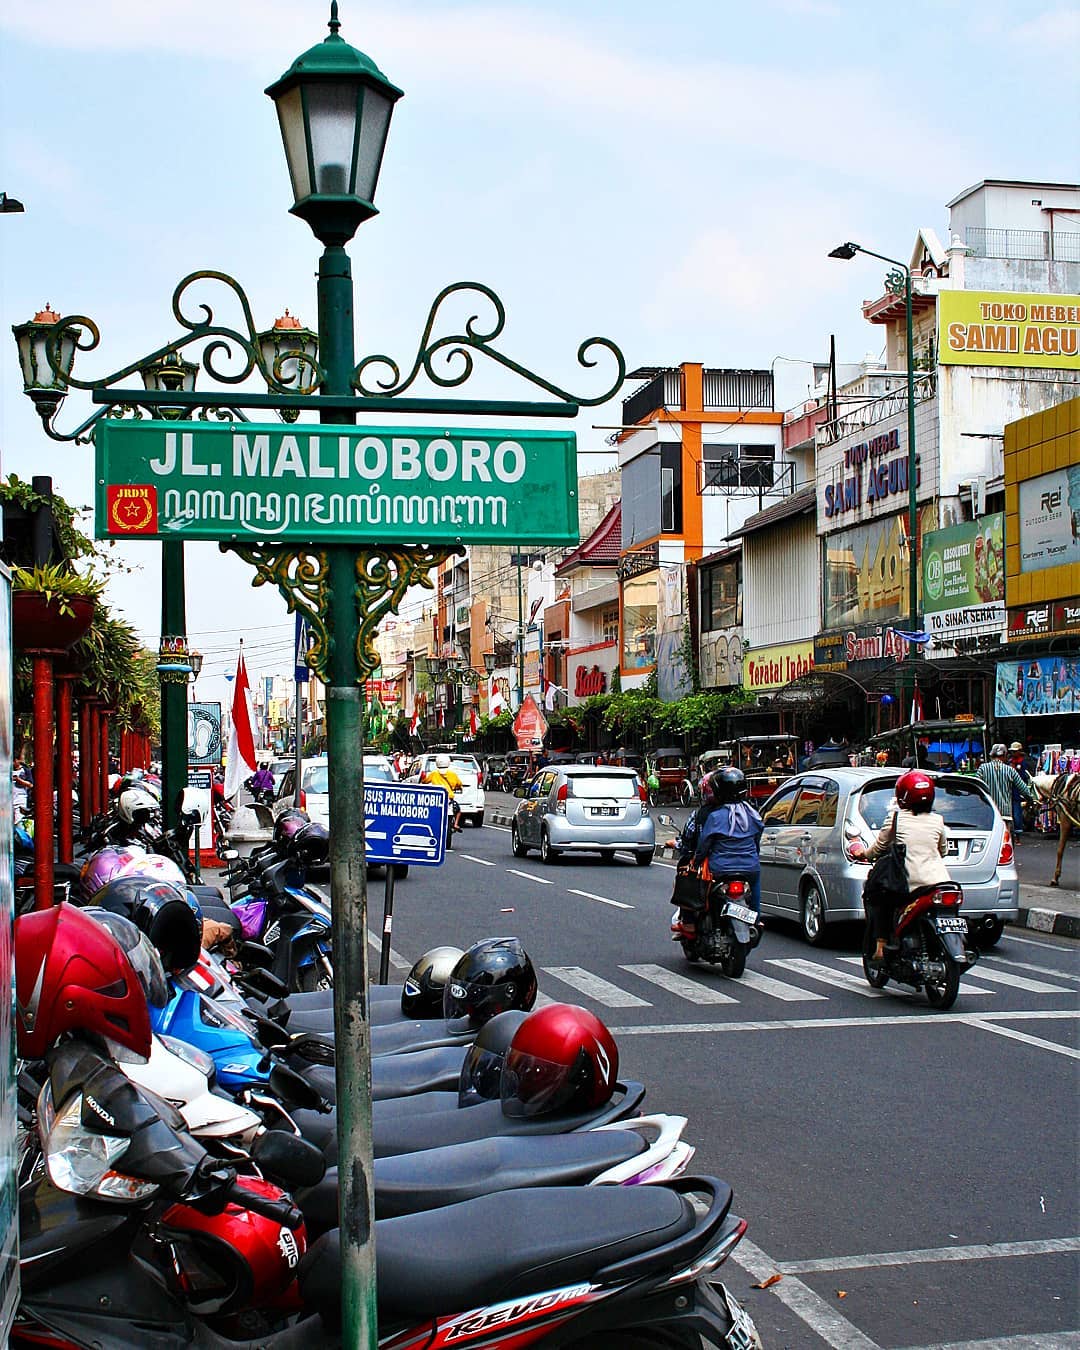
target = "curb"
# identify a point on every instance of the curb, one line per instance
(1048, 921)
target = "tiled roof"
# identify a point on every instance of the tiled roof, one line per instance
(602, 548)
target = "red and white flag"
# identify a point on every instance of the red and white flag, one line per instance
(414, 721)
(495, 698)
(440, 716)
(474, 723)
(916, 705)
(241, 761)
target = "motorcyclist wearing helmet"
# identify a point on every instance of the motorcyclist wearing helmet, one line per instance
(731, 835)
(922, 832)
(443, 775)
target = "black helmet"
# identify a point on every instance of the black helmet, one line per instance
(481, 1072)
(422, 992)
(311, 842)
(492, 976)
(289, 824)
(140, 951)
(161, 911)
(728, 785)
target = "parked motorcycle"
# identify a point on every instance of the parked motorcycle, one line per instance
(928, 949)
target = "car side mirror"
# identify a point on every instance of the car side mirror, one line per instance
(520, 792)
(669, 821)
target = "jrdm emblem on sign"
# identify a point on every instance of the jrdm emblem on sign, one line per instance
(133, 509)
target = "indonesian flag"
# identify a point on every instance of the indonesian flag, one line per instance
(414, 721)
(241, 763)
(441, 716)
(495, 698)
(916, 705)
(474, 723)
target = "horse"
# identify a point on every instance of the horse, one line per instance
(1061, 792)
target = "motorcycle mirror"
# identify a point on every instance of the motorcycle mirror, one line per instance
(669, 821)
(228, 854)
(270, 1034)
(255, 954)
(264, 983)
(292, 1162)
(295, 1090)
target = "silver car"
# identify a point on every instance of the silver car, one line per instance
(808, 873)
(583, 808)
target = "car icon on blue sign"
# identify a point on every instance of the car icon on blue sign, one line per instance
(415, 838)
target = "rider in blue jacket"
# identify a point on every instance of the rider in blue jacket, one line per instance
(731, 834)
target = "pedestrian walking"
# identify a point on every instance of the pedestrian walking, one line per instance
(1001, 780)
(1020, 761)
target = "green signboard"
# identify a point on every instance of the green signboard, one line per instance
(964, 577)
(314, 483)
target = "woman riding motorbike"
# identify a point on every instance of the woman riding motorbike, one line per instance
(443, 775)
(922, 832)
(731, 834)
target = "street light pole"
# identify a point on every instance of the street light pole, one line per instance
(520, 635)
(900, 283)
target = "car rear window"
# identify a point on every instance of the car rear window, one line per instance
(623, 786)
(316, 779)
(961, 805)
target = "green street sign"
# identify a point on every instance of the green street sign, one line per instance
(315, 483)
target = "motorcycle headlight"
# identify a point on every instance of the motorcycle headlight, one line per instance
(190, 1054)
(81, 1161)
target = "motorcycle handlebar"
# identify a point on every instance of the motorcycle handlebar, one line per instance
(278, 1211)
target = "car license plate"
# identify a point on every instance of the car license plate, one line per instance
(743, 1333)
(604, 810)
(741, 912)
(952, 848)
(950, 923)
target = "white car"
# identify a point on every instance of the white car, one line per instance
(315, 785)
(471, 798)
(415, 837)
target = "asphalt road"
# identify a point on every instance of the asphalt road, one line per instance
(911, 1175)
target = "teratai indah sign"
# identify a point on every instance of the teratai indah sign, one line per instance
(325, 484)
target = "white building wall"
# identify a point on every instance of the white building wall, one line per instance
(782, 583)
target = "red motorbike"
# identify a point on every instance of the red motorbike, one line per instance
(928, 948)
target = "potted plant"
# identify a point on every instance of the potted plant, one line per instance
(52, 606)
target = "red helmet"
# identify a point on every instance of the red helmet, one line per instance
(561, 1058)
(72, 975)
(915, 791)
(236, 1259)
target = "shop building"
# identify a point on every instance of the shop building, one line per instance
(589, 618)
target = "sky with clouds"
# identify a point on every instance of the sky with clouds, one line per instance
(669, 176)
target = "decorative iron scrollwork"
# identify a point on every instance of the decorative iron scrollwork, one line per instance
(383, 575)
(456, 351)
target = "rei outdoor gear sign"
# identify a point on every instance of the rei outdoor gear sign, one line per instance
(728, 785)
(422, 992)
(915, 791)
(493, 976)
(481, 1071)
(72, 975)
(163, 912)
(562, 1058)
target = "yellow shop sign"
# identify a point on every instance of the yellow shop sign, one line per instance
(767, 668)
(998, 328)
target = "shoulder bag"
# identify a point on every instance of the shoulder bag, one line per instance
(886, 887)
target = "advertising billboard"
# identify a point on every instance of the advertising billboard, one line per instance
(866, 570)
(963, 577)
(996, 328)
(766, 668)
(1050, 519)
(1038, 688)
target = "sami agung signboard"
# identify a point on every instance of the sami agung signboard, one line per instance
(334, 484)
(964, 577)
(996, 328)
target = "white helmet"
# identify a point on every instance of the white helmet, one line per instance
(442, 761)
(136, 806)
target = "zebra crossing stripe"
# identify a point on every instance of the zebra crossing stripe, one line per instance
(592, 986)
(789, 993)
(1019, 981)
(679, 984)
(839, 979)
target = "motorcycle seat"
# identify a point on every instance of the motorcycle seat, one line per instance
(500, 1247)
(405, 1037)
(425, 1072)
(392, 1108)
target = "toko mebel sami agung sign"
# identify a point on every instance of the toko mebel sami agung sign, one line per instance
(317, 483)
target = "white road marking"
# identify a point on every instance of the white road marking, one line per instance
(1053, 1340)
(966, 988)
(839, 979)
(1025, 965)
(396, 959)
(505, 829)
(1019, 981)
(923, 1019)
(670, 866)
(529, 876)
(821, 1317)
(473, 858)
(1034, 942)
(679, 984)
(982, 1251)
(1036, 1041)
(592, 986)
(618, 904)
(789, 993)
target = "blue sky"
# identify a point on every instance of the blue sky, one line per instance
(669, 176)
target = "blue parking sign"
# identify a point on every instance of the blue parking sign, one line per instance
(405, 823)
